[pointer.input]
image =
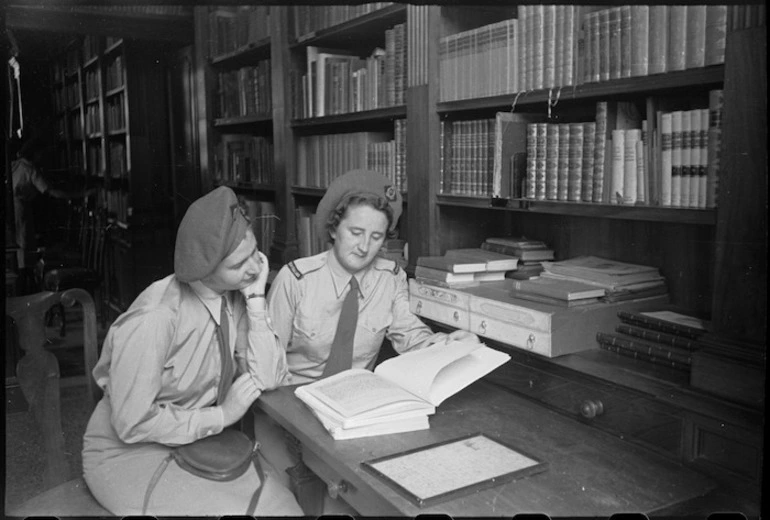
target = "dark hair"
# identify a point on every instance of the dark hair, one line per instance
(355, 200)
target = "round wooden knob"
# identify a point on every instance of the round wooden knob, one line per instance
(419, 307)
(483, 327)
(335, 488)
(456, 316)
(590, 409)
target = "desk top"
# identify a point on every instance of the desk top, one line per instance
(590, 472)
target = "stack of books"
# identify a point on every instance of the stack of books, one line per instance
(620, 280)
(401, 392)
(531, 254)
(464, 267)
(663, 338)
(565, 293)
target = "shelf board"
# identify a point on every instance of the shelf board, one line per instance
(90, 62)
(250, 186)
(242, 120)
(115, 46)
(119, 131)
(706, 217)
(114, 91)
(366, 30)
(625, 87)
(307, 191)
(379, 114)
(246, 55)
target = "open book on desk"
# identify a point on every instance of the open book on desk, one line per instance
(401, 392)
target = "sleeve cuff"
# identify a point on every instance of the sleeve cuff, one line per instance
(212, 421)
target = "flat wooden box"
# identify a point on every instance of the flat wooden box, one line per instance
(543, 329)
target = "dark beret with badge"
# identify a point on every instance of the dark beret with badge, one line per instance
(211, 229)
(357, 182)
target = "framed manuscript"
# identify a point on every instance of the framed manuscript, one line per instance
(446, 470)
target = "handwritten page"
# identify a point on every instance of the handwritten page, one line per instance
(469, 463)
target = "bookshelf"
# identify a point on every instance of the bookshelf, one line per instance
(111, 131)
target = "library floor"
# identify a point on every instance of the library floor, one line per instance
(24, 454)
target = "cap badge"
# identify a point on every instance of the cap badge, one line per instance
(390, 193)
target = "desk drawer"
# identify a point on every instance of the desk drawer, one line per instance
(436, 303)
(521, 337)
(627, 414)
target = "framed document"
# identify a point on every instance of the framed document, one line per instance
(445, 470)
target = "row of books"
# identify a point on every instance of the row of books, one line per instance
(244, 159)
(91, 47)
(235, 27)
(75, 123)
(663, 338)
(307, 19)
(308, 241)
(91, 83)
(116, 155)
(551, 46)
(339, 81)
(263, 221)
(322, 158)
(245, 91)
(94, 164)
(114, 74)
(115, 112)
(67, 97)
(93, 120)
(117, 204)
(389, 157)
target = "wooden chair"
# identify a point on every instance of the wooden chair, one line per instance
(38, 375)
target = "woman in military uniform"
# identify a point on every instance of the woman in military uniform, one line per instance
(306, 298)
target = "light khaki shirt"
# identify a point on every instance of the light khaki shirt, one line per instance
(305, 302)
(160, 365)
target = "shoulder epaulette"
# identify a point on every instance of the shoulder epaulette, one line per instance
(385, 264)
(302, 266)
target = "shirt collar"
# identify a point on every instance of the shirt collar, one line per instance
(211, 299)
(341, 277)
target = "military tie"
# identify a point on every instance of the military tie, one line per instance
(223, 331)
(341, 355)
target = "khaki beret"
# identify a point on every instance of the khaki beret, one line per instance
(352, 183)
(211, 229)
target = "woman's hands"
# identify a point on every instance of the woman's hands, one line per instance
(462, 335)
(242, 393)
(258, 286)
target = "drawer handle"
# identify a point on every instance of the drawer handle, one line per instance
(456, 316)
(483, 327)
(590, 409)
(419, 307)
(335, 488)
(531, 342)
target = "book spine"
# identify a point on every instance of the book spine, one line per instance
(562, 185)
(657, 324)
(604, 45)
(569, 45)
(549, 46)
(625, 41)
(640, 33)
(616, 51)
(575, 162)
(716, 32)
(596, 46)
(658, 337)
(631, 138)
(618, 166)
(540, 160)
(538, 45)
(587, 176)
(643, 351)
(551, 161)
(676, 158)
(677, 38)
(658, 39)
(696, 36)
(716, 103)
(600, 143)
(531, 180)
(703, 156)
(666, 168)
(641, 174)
(686, 159)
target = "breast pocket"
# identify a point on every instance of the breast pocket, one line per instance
(313, 336)
(371, 331)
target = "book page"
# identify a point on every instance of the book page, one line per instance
(446, 470)
(415, 371)
(464, 371)
(358, 391)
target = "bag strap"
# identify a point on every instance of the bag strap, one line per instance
(252, 503)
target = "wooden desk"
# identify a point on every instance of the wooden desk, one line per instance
(590, 472)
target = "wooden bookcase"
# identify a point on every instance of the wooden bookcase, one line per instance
(109, 95)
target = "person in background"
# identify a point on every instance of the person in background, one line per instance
(161, 371)
(29, 182)
(307, 297)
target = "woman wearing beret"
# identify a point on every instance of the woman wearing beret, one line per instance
(308, 295)
(161, 370)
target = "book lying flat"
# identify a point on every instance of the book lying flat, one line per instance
(561, 289)
(355, 402)
(494, 261)
(529, 255)
(423, 271)
(603, 270)
(452, 265)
